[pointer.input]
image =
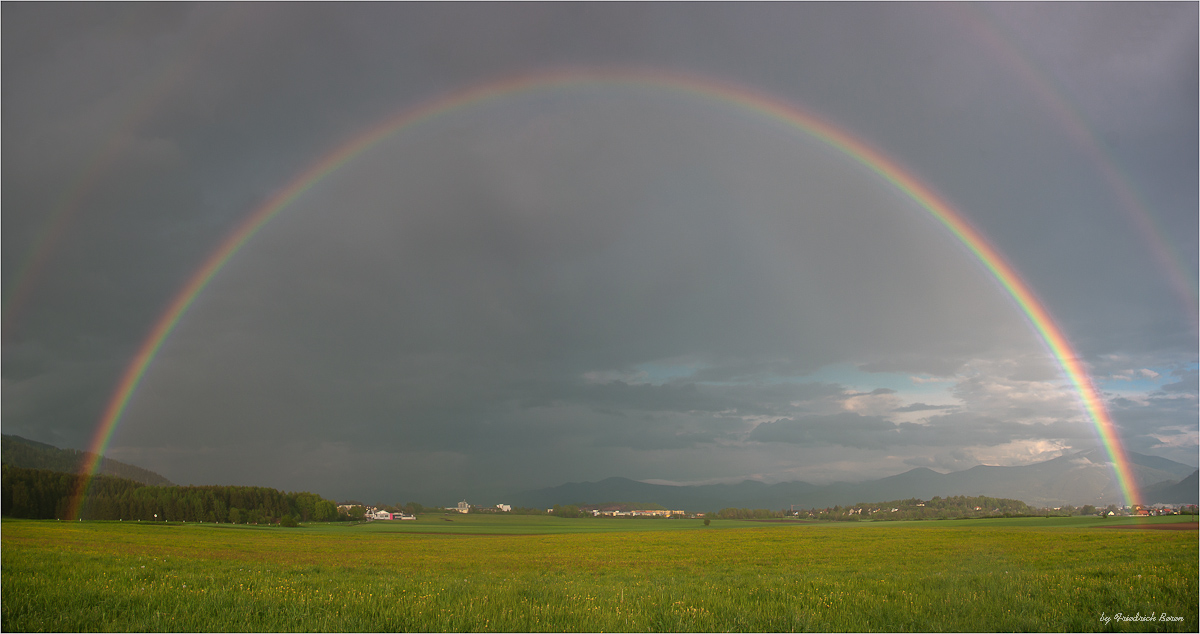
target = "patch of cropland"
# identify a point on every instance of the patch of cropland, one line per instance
(969, 575)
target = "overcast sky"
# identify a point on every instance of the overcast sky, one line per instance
(596, 280)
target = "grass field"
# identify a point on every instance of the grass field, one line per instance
(515, 573)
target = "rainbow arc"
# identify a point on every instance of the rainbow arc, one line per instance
(803, 121)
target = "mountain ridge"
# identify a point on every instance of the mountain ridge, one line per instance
(31, 454)
(1084, 477)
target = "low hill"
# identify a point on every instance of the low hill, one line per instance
(29, 454)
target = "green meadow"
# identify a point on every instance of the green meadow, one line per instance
(530, 573)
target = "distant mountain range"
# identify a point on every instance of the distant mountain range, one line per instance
(1077, 479)
(30, 454)
(1082, 478)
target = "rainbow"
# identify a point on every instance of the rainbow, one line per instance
(752, 101)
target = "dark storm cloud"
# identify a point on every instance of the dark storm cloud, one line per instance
(749, 370)
(684, 397)
(650, 433)
(921, 407)
(923, 364)
(1189, 382)
(846, 429)
(591, 283)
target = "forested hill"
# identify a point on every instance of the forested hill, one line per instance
(21, 452)
(41, 494)
(953, 507)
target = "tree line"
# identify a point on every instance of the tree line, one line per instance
(952, 507)
(44, 494)
(958, 506)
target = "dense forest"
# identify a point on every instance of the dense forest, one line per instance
(44, 494)
(21, 452)
(952, 507)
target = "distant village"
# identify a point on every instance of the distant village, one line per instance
(373, 513)
(920, 510)
(936, 508)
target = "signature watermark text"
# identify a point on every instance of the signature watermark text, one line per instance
(1139, 617)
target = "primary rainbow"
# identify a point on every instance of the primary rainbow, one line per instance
(765, 105)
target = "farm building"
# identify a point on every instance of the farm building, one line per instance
(387, 515)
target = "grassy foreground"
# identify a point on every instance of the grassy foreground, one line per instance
(1006, 575)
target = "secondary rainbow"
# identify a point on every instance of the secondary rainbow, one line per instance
(74, 196)
(765, 105)
(989, 32)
